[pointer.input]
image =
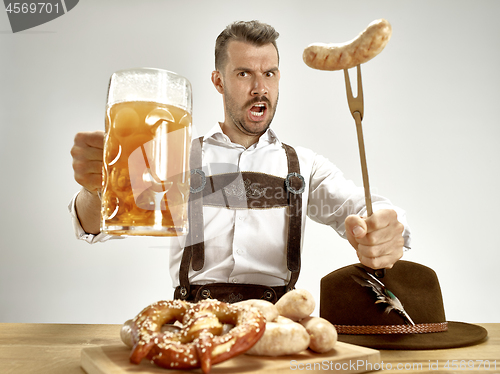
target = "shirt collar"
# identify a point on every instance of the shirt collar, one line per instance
(215, 133)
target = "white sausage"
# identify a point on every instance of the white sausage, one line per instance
(346, 55)
(281, 338)
(322, 332)
(126, 334)
(284, 320)
(296, 304)
(268, 309)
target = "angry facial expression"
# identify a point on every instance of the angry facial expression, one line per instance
(249, 84)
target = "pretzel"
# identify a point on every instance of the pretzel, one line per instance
(199, 341)
(359, 50)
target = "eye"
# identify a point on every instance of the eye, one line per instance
(243, 74)
(273, 73)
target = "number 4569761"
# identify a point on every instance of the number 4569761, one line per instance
(32, 8)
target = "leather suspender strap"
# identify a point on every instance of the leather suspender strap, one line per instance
(195, 242)
(194, 249)
(295, 185)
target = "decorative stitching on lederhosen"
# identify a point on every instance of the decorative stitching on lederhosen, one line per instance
(236, 191)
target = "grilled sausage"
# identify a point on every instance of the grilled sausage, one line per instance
(346, 55)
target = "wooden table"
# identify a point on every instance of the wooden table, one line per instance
(56, 348)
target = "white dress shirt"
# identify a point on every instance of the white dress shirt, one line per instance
(249, 245)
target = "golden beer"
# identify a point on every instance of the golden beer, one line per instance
(146, 169)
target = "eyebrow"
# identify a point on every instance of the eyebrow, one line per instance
(273, 69)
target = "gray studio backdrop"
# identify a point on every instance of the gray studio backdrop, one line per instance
(431, 132)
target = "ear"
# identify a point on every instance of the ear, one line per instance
(217, 81)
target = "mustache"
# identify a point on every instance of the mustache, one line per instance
(259, 99)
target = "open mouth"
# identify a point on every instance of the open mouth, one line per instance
(257, 111)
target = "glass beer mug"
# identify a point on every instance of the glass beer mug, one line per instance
(146, 175)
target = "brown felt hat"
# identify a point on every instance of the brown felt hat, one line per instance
(351, 306)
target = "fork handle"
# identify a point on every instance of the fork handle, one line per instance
(364, 168)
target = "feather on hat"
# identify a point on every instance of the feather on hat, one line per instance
(356, 302)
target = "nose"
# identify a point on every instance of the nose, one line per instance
(259, 87)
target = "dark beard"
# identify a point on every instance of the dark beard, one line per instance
(240, 123)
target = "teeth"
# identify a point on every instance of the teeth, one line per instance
(260, 113)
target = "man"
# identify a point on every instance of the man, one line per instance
(253, 252)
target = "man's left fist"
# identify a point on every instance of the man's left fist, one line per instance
(378, 239)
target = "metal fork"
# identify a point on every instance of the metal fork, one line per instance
(356, 108)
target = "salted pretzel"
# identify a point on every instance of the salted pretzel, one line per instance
(199, 341)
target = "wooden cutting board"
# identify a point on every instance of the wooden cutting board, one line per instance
(348, 358)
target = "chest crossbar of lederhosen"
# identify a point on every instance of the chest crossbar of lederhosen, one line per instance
(242, 190)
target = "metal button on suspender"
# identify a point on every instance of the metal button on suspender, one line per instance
(290, 188)
(203, 181)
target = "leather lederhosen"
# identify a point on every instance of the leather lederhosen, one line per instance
(242, 190)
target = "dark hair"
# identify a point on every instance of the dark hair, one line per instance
(254, 32)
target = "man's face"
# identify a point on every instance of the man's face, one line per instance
(250, 86)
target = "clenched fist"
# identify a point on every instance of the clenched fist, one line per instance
(378, 239)
(87, 154)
